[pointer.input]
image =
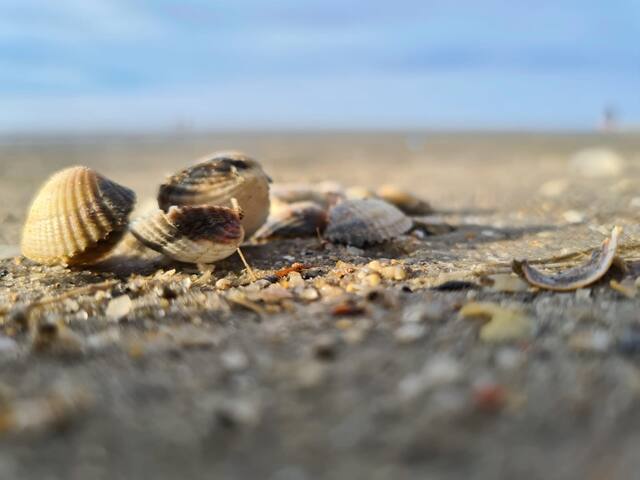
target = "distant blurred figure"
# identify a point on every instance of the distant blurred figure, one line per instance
(609, 121)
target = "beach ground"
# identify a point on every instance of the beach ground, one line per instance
(363, 364)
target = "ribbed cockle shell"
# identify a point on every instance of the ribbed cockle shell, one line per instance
(216, 181)
(200, 234)
(76, 218)
(365, 222)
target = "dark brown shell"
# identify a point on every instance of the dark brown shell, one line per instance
(365, 222)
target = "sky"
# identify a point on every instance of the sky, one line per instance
(139, 65)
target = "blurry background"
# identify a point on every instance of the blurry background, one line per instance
(149, 65)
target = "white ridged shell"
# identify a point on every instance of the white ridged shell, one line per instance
(76, 218)
(365, 222)
(199, 234)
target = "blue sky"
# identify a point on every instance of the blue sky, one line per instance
(81, 65)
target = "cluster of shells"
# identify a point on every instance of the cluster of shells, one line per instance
(204, 213)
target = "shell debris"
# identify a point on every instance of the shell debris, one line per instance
(576, 277)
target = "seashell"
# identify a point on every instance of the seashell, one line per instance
(198, 234)
(576, 277)
(405, 201)
(364, 222)
(76, 218)
(297, 219)
(215, 181)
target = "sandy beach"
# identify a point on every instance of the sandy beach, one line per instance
(360, 365)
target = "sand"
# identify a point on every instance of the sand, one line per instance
(208, 375)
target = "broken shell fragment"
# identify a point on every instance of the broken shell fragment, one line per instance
(405, 201)
(297, 219)
(76, 218)
(576, 277)
(200, 234)
(217, 180)
(365, 222)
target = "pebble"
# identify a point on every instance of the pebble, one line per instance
(275, 293)
(574, 216)
(504, 324)
(309, 294)
(410, 332)
(103, 340)
(508, 358)
(234, 360)
(295, 280)
(118, 308)
(394, 272)
(596, 341)
(420, 312)
(224, 284)
(508, 282)
(437, 371)
(373, 279)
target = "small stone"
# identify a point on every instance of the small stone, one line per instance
(596, 341)
(224, 284)
(573, 216)
(234, 360)
(274, 293)
(309, 294)
(503, 325)
(103, 340)
(374, 265)
(330, 291)
(394, 272)
(508, 282)
(373, 279)
(437, 371)
(410, 332)
(295, 280)
(119, 308)
(420, 312)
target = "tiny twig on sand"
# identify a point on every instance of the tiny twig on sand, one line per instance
(249, 269)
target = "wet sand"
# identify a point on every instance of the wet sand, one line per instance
(368, 380)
